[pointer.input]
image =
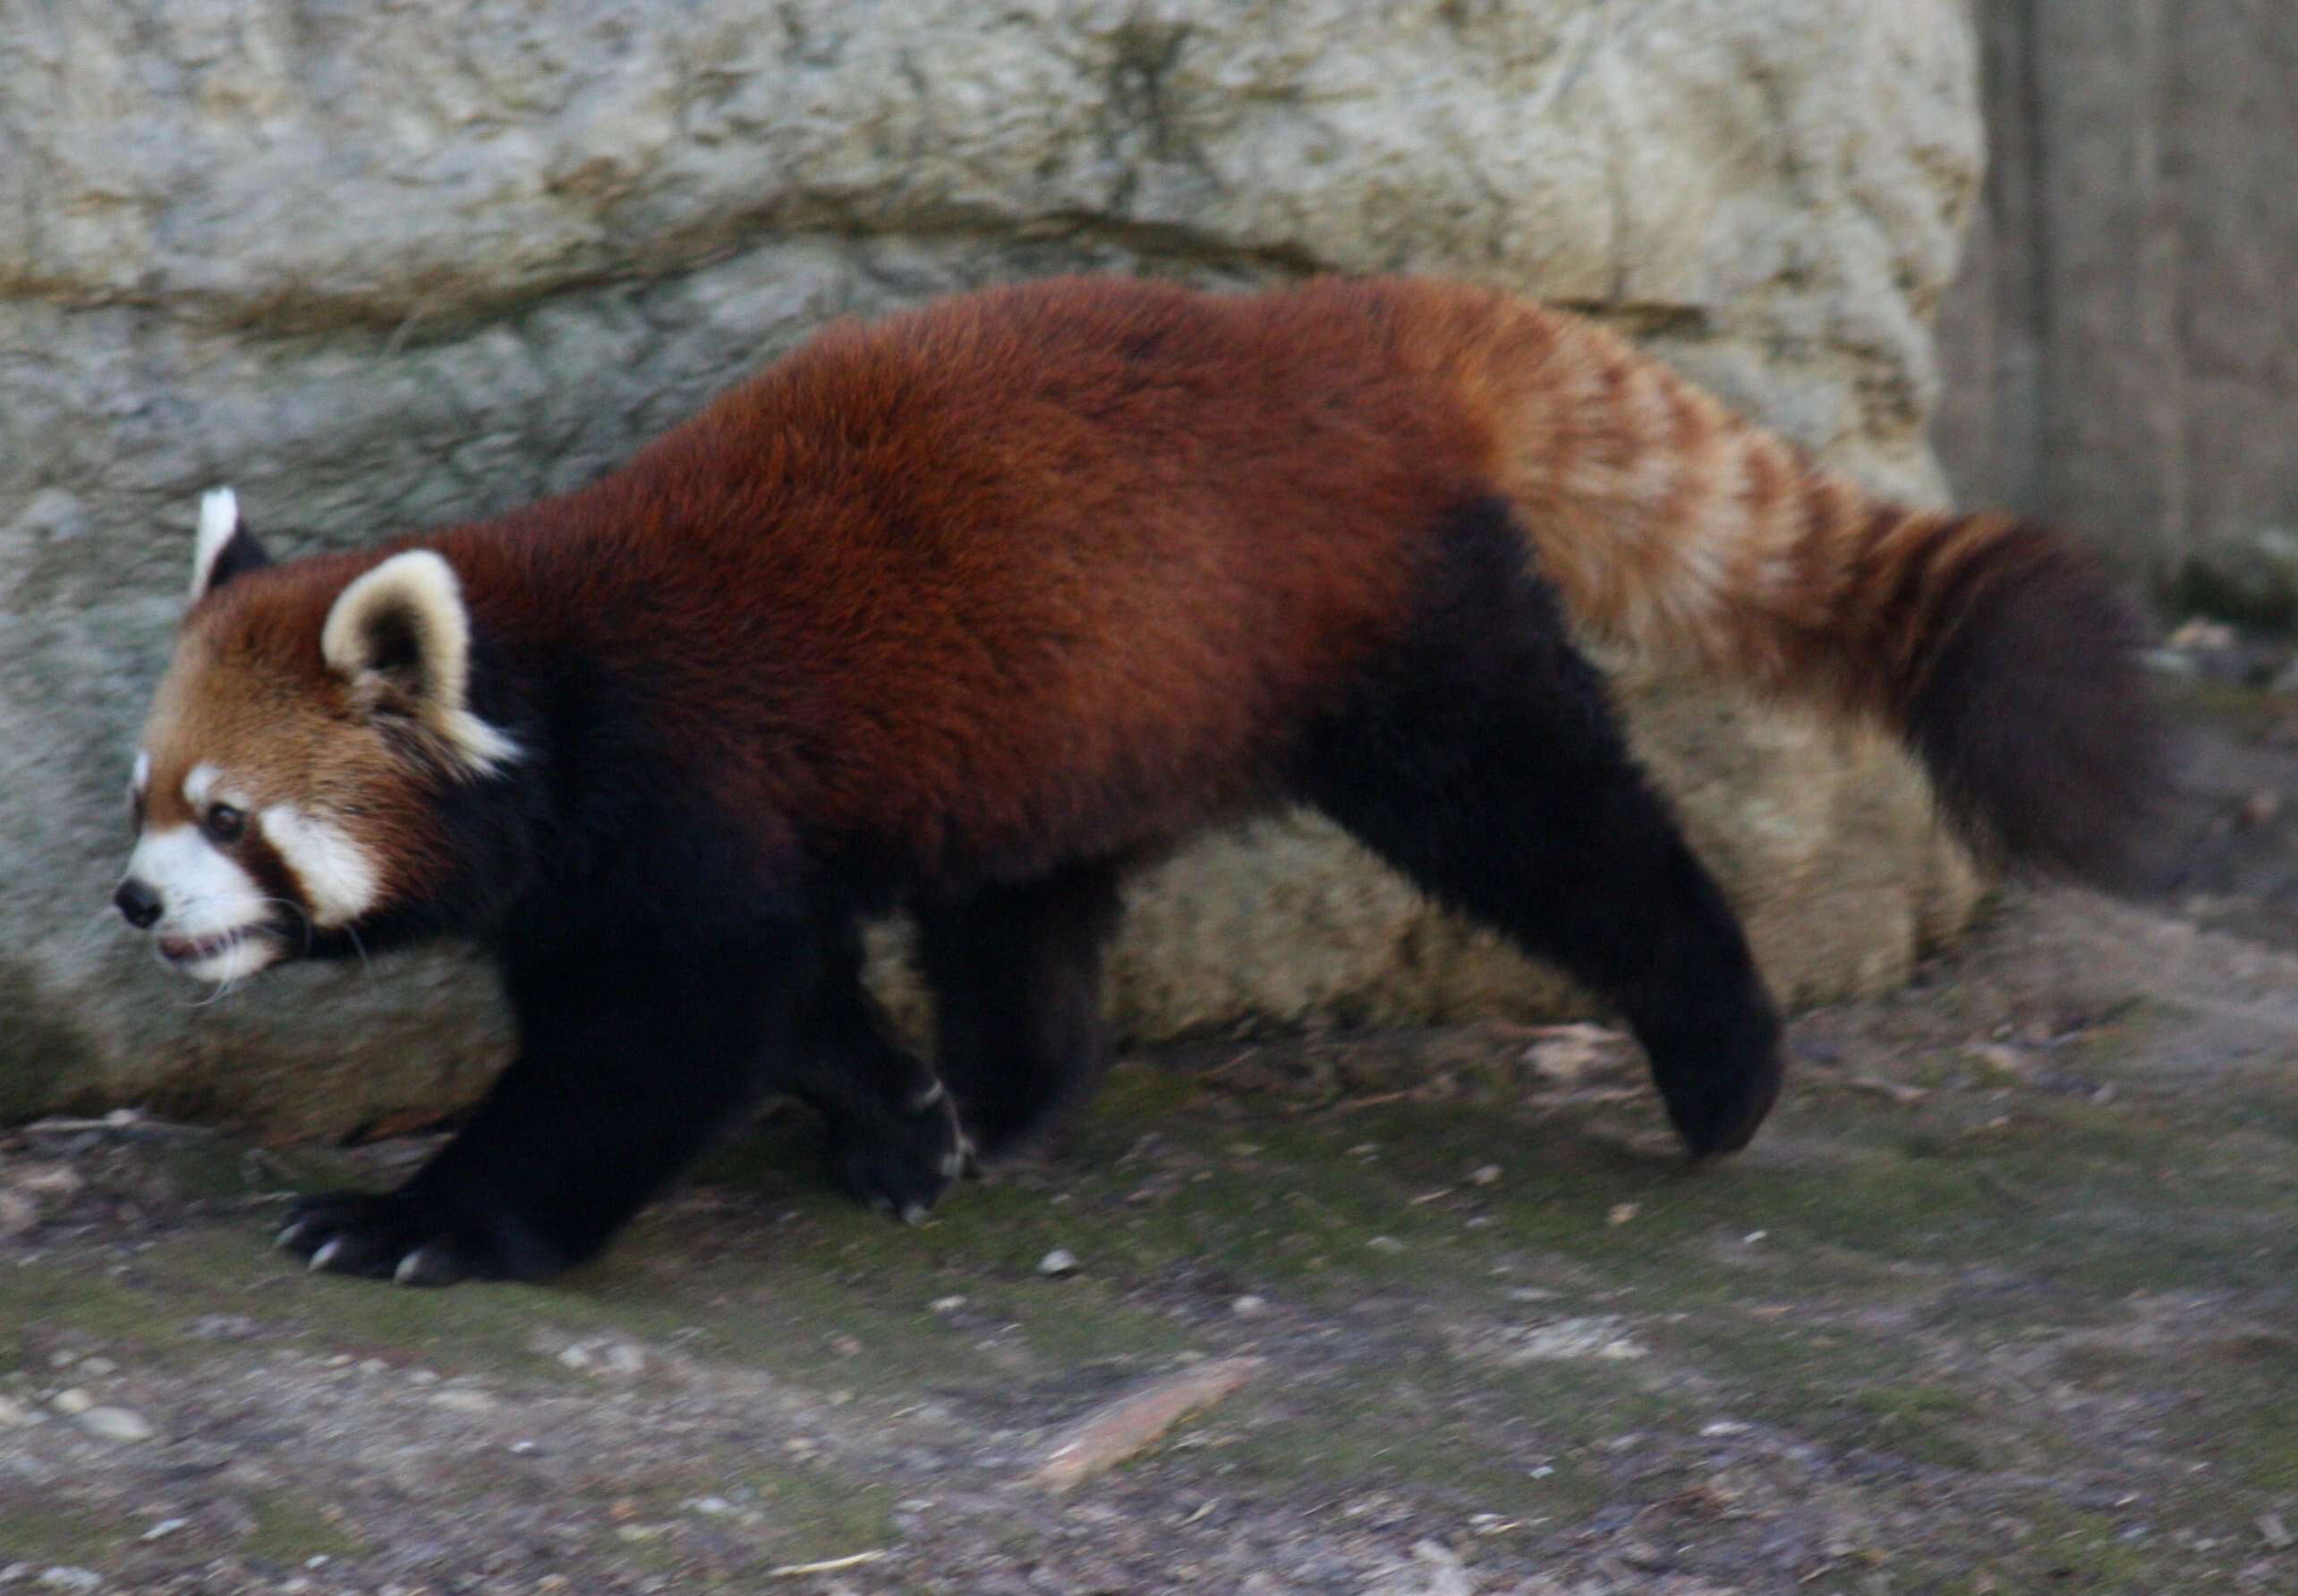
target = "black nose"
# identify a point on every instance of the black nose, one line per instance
(137, 902)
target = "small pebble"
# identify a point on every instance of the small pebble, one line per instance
(15, 1415)
(1484, 1175)
(164, 1529)
(95, 1367)
(1385, 1243)
(116, 1424)
(1060, 1260)
(463, 1402)
(63, 1578)
(2275, 1532)
(1722, 1427)
(949, 1305)
(1621, 1212)
(73, 1400)
(1246, 1306)
(712, 1507)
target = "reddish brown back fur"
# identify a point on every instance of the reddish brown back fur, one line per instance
(1041, 572)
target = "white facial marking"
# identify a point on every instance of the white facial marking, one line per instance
(141, 780)
(339, 878)
(218, 519)
(199, 782)
(211, 909)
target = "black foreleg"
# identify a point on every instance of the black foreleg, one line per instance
(629, 1064)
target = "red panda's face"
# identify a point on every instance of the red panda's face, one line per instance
(265, 809)
(287, 778)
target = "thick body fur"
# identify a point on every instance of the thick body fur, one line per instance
(967, 610)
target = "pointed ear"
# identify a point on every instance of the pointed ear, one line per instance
(401, 637)
(225, 548)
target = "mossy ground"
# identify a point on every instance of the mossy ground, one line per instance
(2003, 1301)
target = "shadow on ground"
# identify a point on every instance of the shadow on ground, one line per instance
(2003, 1300)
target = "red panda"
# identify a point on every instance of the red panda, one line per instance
(966, 612)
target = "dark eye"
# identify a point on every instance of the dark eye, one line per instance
(225, 823)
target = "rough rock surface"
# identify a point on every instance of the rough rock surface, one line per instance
(380, 266)
(2122, 349)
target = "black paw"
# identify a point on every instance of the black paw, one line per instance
(388, 1237)
(1719, 1090)
(900, 1162)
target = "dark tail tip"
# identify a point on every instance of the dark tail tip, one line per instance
(2035, 719)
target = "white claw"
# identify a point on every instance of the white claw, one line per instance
(289, 1233)
(414, 1269)
(326, 1255)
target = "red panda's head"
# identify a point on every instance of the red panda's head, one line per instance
(287, 790)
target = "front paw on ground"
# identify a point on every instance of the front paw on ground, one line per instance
(900, 1163)
(382, 1237)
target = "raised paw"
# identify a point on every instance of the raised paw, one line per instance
(900, 1161)
(386, 1237)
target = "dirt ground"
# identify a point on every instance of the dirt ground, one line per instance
(2005, 1299)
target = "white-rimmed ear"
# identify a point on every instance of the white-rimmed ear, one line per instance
(401, 637)
(225, 547)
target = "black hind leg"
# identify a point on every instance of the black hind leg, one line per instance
(1016, 972)
(1481, 757)
(894, 1141)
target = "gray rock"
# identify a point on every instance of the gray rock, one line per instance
(2122, 349)
(383, 267)
(116, 1424)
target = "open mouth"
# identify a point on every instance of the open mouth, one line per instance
(177, 951)
(185, 951)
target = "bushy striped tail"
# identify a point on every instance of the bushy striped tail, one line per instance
(2001, 653)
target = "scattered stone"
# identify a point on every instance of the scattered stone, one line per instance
(15, 1415)
(97, 1367)
(1484, 1175)
(64, 1578)
(116, 1424)
(604, 1357)
(1724, 1428)
(71, 1401)
(47, 1180)
(164, 1529)
(18, 1213)
(1119, 1429)
(846, 1346)
(222, 1327)
(1434, 1570)
(1060, 1260)
(1621, 1212)
(2275, 1532)
(709, 1506)
(1385, 1243)
(463, 1402)
(826, 1565)
(1568, 1054)
(949, 1305)
(1248, 1305)
(1568, 1340)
